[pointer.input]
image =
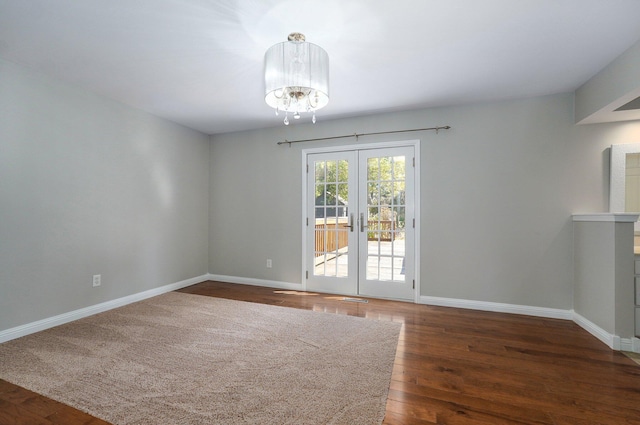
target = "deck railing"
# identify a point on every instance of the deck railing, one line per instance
(331, 236)
(382, 229)
(334, 235)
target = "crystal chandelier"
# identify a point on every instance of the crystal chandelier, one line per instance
(296, 77)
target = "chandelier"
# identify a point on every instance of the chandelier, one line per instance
(296, 77)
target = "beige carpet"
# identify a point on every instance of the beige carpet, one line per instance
(180, 359)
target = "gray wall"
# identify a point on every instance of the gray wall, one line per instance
(624, 281)
(90, 186)
(603, 280)
(497, 194)
(594, 294)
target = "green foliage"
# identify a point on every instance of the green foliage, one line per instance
(385, 186)
(386, 181)
(331, 182)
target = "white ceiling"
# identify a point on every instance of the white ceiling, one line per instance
(199, 62)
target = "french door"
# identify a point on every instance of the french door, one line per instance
(360, 222)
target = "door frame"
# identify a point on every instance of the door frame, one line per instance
(415, 143)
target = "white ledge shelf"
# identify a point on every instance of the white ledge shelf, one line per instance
(609, 217)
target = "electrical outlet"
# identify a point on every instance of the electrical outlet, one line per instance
(96, 280)
(269, 263)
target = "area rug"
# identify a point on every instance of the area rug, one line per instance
(190, 359)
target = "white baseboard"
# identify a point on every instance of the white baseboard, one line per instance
(60, 319)
(552, 313)
(635, 345)
(256, 282)
(612, 341)
(630, 344)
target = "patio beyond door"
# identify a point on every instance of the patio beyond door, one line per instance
(360, 222)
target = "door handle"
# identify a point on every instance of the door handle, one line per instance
(362, 226)
(350, 222)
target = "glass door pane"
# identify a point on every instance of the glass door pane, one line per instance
(386, 205)
(331, 254)
(386, 218)
(331, 218)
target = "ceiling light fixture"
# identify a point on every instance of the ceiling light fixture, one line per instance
(296, 77)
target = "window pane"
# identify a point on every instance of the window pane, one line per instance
(320, 194)
(385, 268)
(318, 270)
(343, 193)
(372, 268)
(373, 248)
(399, 244)
(386, 192)
(320, 171)
(373, 193)
(373, 169)
(398, 269)
(399, 168)
(331, 194)
(399, 217)
(343, 171)
(399, 193)
(332, 176)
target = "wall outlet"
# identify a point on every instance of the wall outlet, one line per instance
(269, 263)
(96, 280)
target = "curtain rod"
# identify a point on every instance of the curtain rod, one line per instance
(356, 135)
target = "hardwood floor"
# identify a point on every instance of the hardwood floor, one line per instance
(457, 367)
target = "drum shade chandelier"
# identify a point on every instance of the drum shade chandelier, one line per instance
(296, 77)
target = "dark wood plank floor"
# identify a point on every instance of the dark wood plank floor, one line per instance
(457, 367)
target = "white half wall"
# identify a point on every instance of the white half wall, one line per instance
(603, 272)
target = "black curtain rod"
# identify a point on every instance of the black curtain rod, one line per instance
(356, 135)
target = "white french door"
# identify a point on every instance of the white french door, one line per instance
(360, 212)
